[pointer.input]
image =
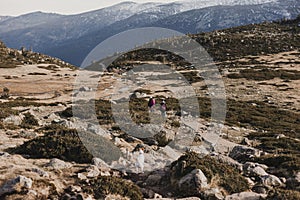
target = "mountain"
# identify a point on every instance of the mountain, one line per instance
(220, 17)
(30, 20)
(52, 148)
(71, 37)
(3, 18)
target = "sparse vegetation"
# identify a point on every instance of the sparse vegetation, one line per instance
(280, 194)
(266, 74)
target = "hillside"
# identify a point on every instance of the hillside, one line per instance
(52, 147)
(72, 37)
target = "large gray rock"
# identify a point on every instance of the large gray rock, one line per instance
(194, 182)
(16, 184)
(246, 196)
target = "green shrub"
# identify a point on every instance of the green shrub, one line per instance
(281, 194)
(103, 186)
(68, 144)
(227, 175)
(29, 121)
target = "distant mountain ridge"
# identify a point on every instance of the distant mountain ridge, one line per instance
(71, 37)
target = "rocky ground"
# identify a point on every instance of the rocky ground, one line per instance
(52, 149)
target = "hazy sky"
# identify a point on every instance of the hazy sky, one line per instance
(18, 7)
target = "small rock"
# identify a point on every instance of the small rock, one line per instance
(4, 154)
(213, 194)
(93, 171)
(13, 185)
(245, 196)
(81, 176)
(271, 180)
(58, 164)
(243, 152)
(250, 182)
(254, 170)
(74, 188)
(40, 172)
(32, 192)
(280, 136)
(247, 142)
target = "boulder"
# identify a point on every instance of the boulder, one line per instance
(246, 196)
(193, 183)
(16, 185)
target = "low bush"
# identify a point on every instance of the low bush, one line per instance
(100, 187)
(29, 121)
(226, 175)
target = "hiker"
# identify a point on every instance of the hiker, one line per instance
(151, 104)
(163, 108)
(140, 160)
